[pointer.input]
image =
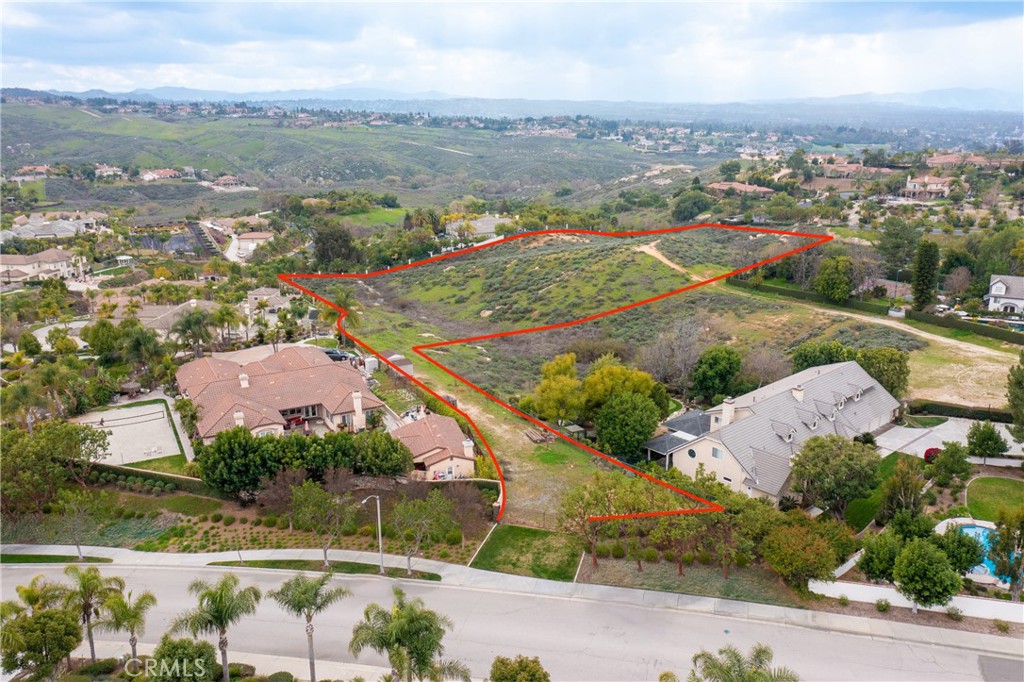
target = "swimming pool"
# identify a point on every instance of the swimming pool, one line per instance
(984, 536)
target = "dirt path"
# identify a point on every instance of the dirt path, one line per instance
(652, 250)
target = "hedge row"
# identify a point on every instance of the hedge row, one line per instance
(192, 485)
(952, 410)
(953, 322)
(876, 308)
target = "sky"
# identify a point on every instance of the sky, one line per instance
(636, 51)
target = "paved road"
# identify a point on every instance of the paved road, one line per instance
(575, 638)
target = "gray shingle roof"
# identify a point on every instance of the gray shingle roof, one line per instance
(694, 422)
(1014, 285)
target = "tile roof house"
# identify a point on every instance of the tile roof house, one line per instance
(248, 242)
(439, 448)
(48, 264)
(749, 440)
(926, 188)
(1005, 293)
(720, 188)
(267, 397)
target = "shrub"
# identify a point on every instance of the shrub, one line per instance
(242, 520)
(453, 537)
(602, 551)
(367, 531)
(882, 605)
(256, 522)
(349, 530)
(203, 518)
(103, 666)
(241, 670)
(687, 559)
(229, 520)
(1005, 596)
(282, 524)
(955, 614)
(650, 555)
(669, 556)
(742, 560)
(170, 487)
(704, 557)
(930, 497)
(1001, 625)
(618, 551)
(217, 517)
(281, 677)
(270, 521)
(930, 454)
(843, 600)
(47, 508)
(153, 514)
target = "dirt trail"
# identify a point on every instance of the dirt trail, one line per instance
(652, 250)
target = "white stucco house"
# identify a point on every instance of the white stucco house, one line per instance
(1005, 293)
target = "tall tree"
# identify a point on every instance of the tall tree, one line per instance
(926, 274)
(44, 640)
(221, 605)
(625, 422)
(715, 371)
(124, 614)
(416, 520)
(1015, 396)
(831, 471)
(898, 242)
(323, 513)
(87, 595)
(984, 441)
(1006, 548)
(732, 666)
(924, 576)
(193, 330)
(305, 597)
(890, 367)
(903, 491)
(835, 278)
(226, 317)
(410, 635)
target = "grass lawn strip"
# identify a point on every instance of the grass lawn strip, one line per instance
(349, 567)
(986, 495)
(172, 464)
(50, 559)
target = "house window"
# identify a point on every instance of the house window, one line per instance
(832, 417)
(692, 453)
(726, 479)
(717, 420)
(716, 453)
(856, 396)
(842, 403)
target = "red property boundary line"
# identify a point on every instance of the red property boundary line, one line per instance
(707, 505)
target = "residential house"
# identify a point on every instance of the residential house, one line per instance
(160, 318)
(228, 181)
(926, 188)
(105, 171)
(291, 387)
(439, 448)
(1005, 293)
(721, 188)
(272, 295)
(483, 226)
(159, 174)
(248, 242)
(48, 264)
(749, 441)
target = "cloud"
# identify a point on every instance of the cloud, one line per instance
(614, 51)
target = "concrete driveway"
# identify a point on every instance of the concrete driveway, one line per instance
(916, 441)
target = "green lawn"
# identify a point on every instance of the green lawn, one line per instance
(172, 464)
(189, 505)
(559, 453)
(323, 343)
(862, 511)
(529, 551)
(336, 566)
(986, 495)
(49, 559)
(922, 422)
(378, 216)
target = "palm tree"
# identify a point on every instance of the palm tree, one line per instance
(87, 594)
(193, 329)
(226, 317)
(141, 346)
(731, 666)
(39, 594)
(9, 610)
(22, 399)
(303, 596)
(132, 308)
(221, 605)
(410, 634)
(54, 381)
(342, 298)
(125, 615)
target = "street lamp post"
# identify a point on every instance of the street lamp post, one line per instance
(380, 534)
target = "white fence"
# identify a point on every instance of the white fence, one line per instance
(976, 607)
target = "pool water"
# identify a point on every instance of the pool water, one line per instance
(984, 536)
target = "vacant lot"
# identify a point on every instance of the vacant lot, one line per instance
(529, 551)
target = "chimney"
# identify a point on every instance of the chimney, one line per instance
(243, 380)
(728, 411)
(798, 392)
(239, 418)
(467, 449)
(358, 418)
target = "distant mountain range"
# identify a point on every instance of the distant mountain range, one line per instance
(964, 99)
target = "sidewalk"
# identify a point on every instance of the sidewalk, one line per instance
(471, 578)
